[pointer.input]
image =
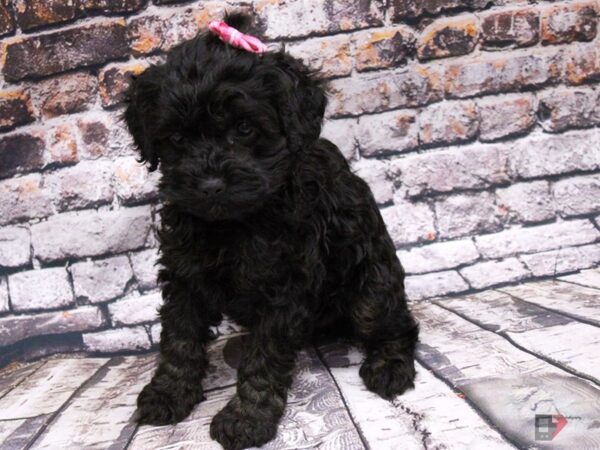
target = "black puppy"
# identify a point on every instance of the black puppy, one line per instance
(262, 221)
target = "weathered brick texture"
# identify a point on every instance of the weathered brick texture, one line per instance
(47, 54)
(475, 122)
(40, 289)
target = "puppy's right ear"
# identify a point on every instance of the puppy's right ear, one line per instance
(140, 114)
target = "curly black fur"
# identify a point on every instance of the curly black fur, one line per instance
(262, 221)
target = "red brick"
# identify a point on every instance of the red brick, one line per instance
(7, 23)
(519, 28)
(493, 74)
(114, 81)
(506, 116)
(582, 64)
(21, 153)
(36, 13)
(112, 6)
(133, 183)
(65, 94)
(563, 23)
(94, 136)
(388, 47)
(62, 146)
(448, 37)
(65, 49)
(15, 109)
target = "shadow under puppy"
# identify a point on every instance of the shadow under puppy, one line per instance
(263, 221)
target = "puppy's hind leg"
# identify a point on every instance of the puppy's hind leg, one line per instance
(389, 334)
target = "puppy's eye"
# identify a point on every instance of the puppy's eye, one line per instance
(243, 128)
(177, 138)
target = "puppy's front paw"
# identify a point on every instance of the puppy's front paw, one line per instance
(236, 428)
(159, 406)
(388, 377)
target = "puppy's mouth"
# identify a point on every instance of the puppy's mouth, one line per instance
(233, 203)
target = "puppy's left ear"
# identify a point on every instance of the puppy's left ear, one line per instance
(302, 104)
(140, 114)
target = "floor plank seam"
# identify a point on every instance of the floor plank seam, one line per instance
(26, 377)
(524, 349)
(472, 404)
(579, 284)
(68, 402)
(358, 430)
(555, 311)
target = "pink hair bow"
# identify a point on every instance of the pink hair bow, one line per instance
(236, 38)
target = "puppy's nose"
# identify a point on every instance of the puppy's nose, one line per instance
(212, 186)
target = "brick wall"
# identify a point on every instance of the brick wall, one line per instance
(475, 122)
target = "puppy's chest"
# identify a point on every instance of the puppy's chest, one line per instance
(246, 265)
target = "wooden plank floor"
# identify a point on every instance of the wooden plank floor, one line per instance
(488, 363)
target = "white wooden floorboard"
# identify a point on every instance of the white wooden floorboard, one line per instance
(508, 385)
(314, 417)
(567, 342)
(49, 388)
(589, 278)
(578, 301)
(12, 376)
(7, 427)
(96, 417)
(430, 416)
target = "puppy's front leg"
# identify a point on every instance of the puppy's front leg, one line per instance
(250, 418)
(177, 383)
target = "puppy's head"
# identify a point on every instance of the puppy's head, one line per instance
(224, 125)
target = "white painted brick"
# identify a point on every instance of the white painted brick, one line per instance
(40, 289)
(145, 268)
(388, 133)
(374, 172)
(506, 115)
(133, 181)
(527, 202)
(14, 246)
(4, 304)
(408, 223)
(472, 166)
(328, 56)
(91, 233)
(461, 215)
(438, 256)
(99, 281)
(135, 310)
(16, 328)
(448, 122)
(25, 197)
(117, 340)
(577, 195)
(556, 154)
(434, 284)
(562, 260)
(489, 273)
(341, 132)
(155, 331)
(537, 239)
(87, 184)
